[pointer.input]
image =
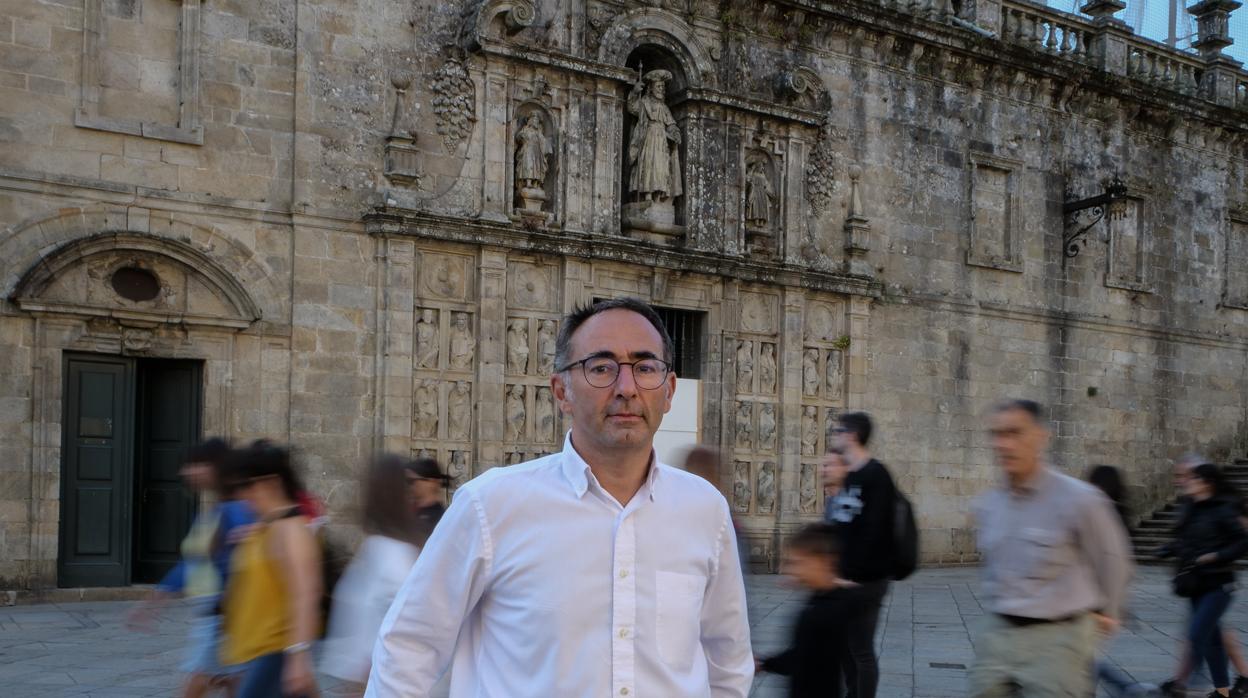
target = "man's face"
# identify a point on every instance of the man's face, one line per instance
(658, 89)
(1017, 440)
(622, 416)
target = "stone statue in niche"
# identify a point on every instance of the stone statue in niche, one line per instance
(810, 372)
(767, 427)
(457, 469)
(808, 489)
(459, 411)
(546, 347)
(767, 369)
(544, 413)
(426, 453)
(741, 487)
(829, 425)
(654, 173)
(835, 375)
(518, 346)
(427, 340)
(745, 366)
(767, 488)
(427, 409)
(514, 457)
(462, 345)
(515, 413)
(759, 196)
(743, 425)
(810, 430)
(532, 153)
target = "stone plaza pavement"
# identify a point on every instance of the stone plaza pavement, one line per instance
(84, 649)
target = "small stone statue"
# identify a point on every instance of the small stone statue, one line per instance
(767, 488)
(463, 347)
(758, 196)
(459, 411)
(546, 347)
(810, 430)
(810, 372)
(426, 453)
(515, 414)
(745, 366)
(427, 340)
(531, 154)
(427, 409)
(457, 469)
(515, 457)
(654, 144)
(741, 487)
(767, 427)
(544, 409)
(518, 346)
(808, 490)
(767, 369)
(743, 425)
(835, 375)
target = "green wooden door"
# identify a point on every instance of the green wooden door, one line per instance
(96, 473)
(168, 412)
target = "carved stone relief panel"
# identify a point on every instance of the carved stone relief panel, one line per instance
(808, 489)
(458, 467)
(810, 430)
(518, 346)
(1235, 271)
(810, 372)
(427, 409)
(547, 333)
(745, 367)
(993, 219)
(544, 415)
(463, 346)
(767, 427)
(743, 426)
(824, 322)
(766, 499)
(759, 313)
(427, 345)
(834, 373)
(767, 368)
(742, 489)
(532, 424)
(446, 276)
(532, 287)
(459, 411)
(515, 414)
(1130, 247)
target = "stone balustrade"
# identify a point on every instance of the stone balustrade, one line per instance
(1164, 67)
(1043, 29)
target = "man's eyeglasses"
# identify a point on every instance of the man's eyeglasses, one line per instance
(603, 371)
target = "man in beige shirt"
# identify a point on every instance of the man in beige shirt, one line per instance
(1056, 566)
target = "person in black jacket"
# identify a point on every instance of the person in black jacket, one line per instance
(814, 659)
(1208, 539)
(863, 514)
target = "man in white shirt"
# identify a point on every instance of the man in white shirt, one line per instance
(597, 571)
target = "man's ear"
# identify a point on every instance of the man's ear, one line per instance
(559, 388)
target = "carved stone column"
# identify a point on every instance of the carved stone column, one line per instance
(1109, 43)
(493, 352)
(1213, 34)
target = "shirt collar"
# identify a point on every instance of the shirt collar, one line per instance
(578, 473)
(1033, 484)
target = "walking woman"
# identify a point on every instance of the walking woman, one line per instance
(1208, 539)
(272, 603)
(204, 567)
(373, 578)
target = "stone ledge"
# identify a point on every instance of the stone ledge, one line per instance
(28, 597)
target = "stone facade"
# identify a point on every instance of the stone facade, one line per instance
(367, 219)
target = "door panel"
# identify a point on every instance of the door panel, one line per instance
(95, 481)
(168, 425)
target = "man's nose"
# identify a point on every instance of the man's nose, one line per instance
(625, 383)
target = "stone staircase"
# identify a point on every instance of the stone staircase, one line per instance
(1155, 530)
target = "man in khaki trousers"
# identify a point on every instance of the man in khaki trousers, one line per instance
(1056, 565)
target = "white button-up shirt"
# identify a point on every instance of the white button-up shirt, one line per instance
(537, 582)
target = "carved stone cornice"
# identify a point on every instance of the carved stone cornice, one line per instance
(394, 222)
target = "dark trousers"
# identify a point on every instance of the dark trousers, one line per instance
(862, 668)
(1205, 633)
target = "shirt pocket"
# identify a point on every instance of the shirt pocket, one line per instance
(679, 620)
(1045, 553)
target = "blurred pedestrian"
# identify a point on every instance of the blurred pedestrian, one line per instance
(1230, 642)
(427, 485)
(832, 472)
(1056, 565)
(204, 567)
(1109, 480)
(595, 571)
(371, 581)
(272, 602)
(706, 463)
(1209, 538)
(863, 512)
(815, 657)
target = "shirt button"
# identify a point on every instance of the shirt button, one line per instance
(624, 691)
(623, 574)
(623, 633)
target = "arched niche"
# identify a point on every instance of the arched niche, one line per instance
(650, 213)
(661, 30)
(534, 199)
(134, 277)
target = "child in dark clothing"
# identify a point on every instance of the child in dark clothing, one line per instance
(813, 661)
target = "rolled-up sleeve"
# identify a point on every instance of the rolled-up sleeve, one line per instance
(418, 636)
(725, 622)
(1107, 551)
